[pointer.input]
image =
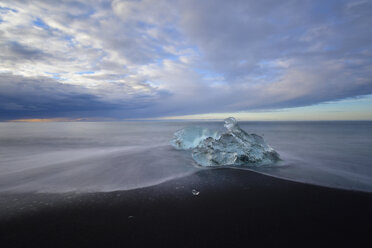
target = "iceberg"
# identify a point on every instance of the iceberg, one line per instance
(235, 147)
(190, 137)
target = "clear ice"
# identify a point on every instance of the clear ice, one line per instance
(235, 147)
(190, 137)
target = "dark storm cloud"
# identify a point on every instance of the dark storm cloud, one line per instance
(43, 97)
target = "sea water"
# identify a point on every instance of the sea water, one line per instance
(108, 156)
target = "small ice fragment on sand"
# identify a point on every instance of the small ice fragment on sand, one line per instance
(195, 192)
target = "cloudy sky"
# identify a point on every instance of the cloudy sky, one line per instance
(190, 58)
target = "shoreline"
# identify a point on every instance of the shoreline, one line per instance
(233, 208)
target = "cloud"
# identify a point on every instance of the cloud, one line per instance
(42, 97)
(15, 51)
(138, 59)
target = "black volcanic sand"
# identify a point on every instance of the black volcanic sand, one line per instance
(235, 208)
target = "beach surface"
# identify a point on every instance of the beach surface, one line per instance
(228, 208)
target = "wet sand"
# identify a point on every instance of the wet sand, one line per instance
(235, 208)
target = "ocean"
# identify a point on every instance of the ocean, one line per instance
(60, 157)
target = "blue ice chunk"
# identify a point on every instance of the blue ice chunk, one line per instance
(235, 147)
(190, 137)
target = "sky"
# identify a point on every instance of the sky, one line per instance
(185, 59)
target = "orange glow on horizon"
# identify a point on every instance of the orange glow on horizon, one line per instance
(46, 120)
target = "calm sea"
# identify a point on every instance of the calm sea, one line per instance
(107, 156)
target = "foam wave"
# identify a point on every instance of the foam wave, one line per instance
(95, 170)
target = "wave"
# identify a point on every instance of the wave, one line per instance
(94, 170)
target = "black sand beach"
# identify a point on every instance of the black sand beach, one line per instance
(235, 208)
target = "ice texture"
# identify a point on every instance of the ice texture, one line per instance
(235, 147)
(190, 137)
